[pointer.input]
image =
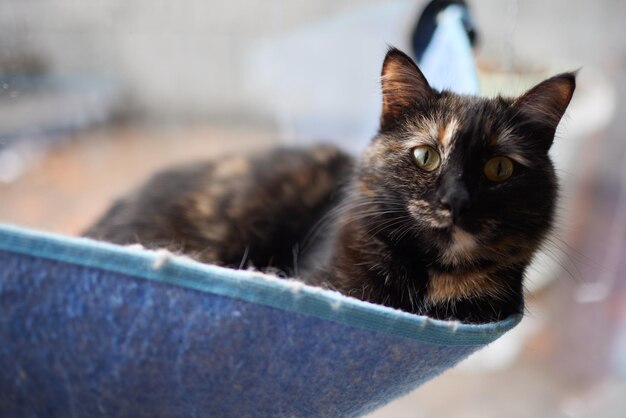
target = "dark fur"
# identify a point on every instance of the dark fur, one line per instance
(234, 212)
(449, 243)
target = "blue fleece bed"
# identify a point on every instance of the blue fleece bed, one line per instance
(89, 329)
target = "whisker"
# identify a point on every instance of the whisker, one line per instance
(350, 203)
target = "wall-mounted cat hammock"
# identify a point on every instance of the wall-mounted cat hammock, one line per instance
(92, 329)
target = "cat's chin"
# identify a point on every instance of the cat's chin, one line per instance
(452, 230)
(457, 245)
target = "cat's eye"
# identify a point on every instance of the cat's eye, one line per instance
(426, 157)
(498, 169)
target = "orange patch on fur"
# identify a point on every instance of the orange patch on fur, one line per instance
(441, 134)
(463, 248)
(231, 167)
(365, 189)
(447, 288)
(446, 132)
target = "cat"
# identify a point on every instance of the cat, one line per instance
(440, 216)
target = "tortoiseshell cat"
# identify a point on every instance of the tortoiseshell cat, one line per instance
(440, 216)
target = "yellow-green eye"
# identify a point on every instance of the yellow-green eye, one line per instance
(498, 169)
(426, 157)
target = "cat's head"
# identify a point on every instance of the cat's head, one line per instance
(472, 174)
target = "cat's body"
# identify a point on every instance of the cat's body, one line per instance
(440, 216)
(237, 212)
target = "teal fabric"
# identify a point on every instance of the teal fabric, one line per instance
(93, 329)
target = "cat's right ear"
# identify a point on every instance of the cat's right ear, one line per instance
(402, 85)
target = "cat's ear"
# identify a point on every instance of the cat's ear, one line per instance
(402, 84)
(546, 103)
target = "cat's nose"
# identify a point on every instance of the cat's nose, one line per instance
(456, 199)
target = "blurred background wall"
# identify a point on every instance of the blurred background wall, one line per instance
(186, 60)
(177, 60)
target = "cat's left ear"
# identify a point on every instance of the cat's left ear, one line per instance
(546, 103)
